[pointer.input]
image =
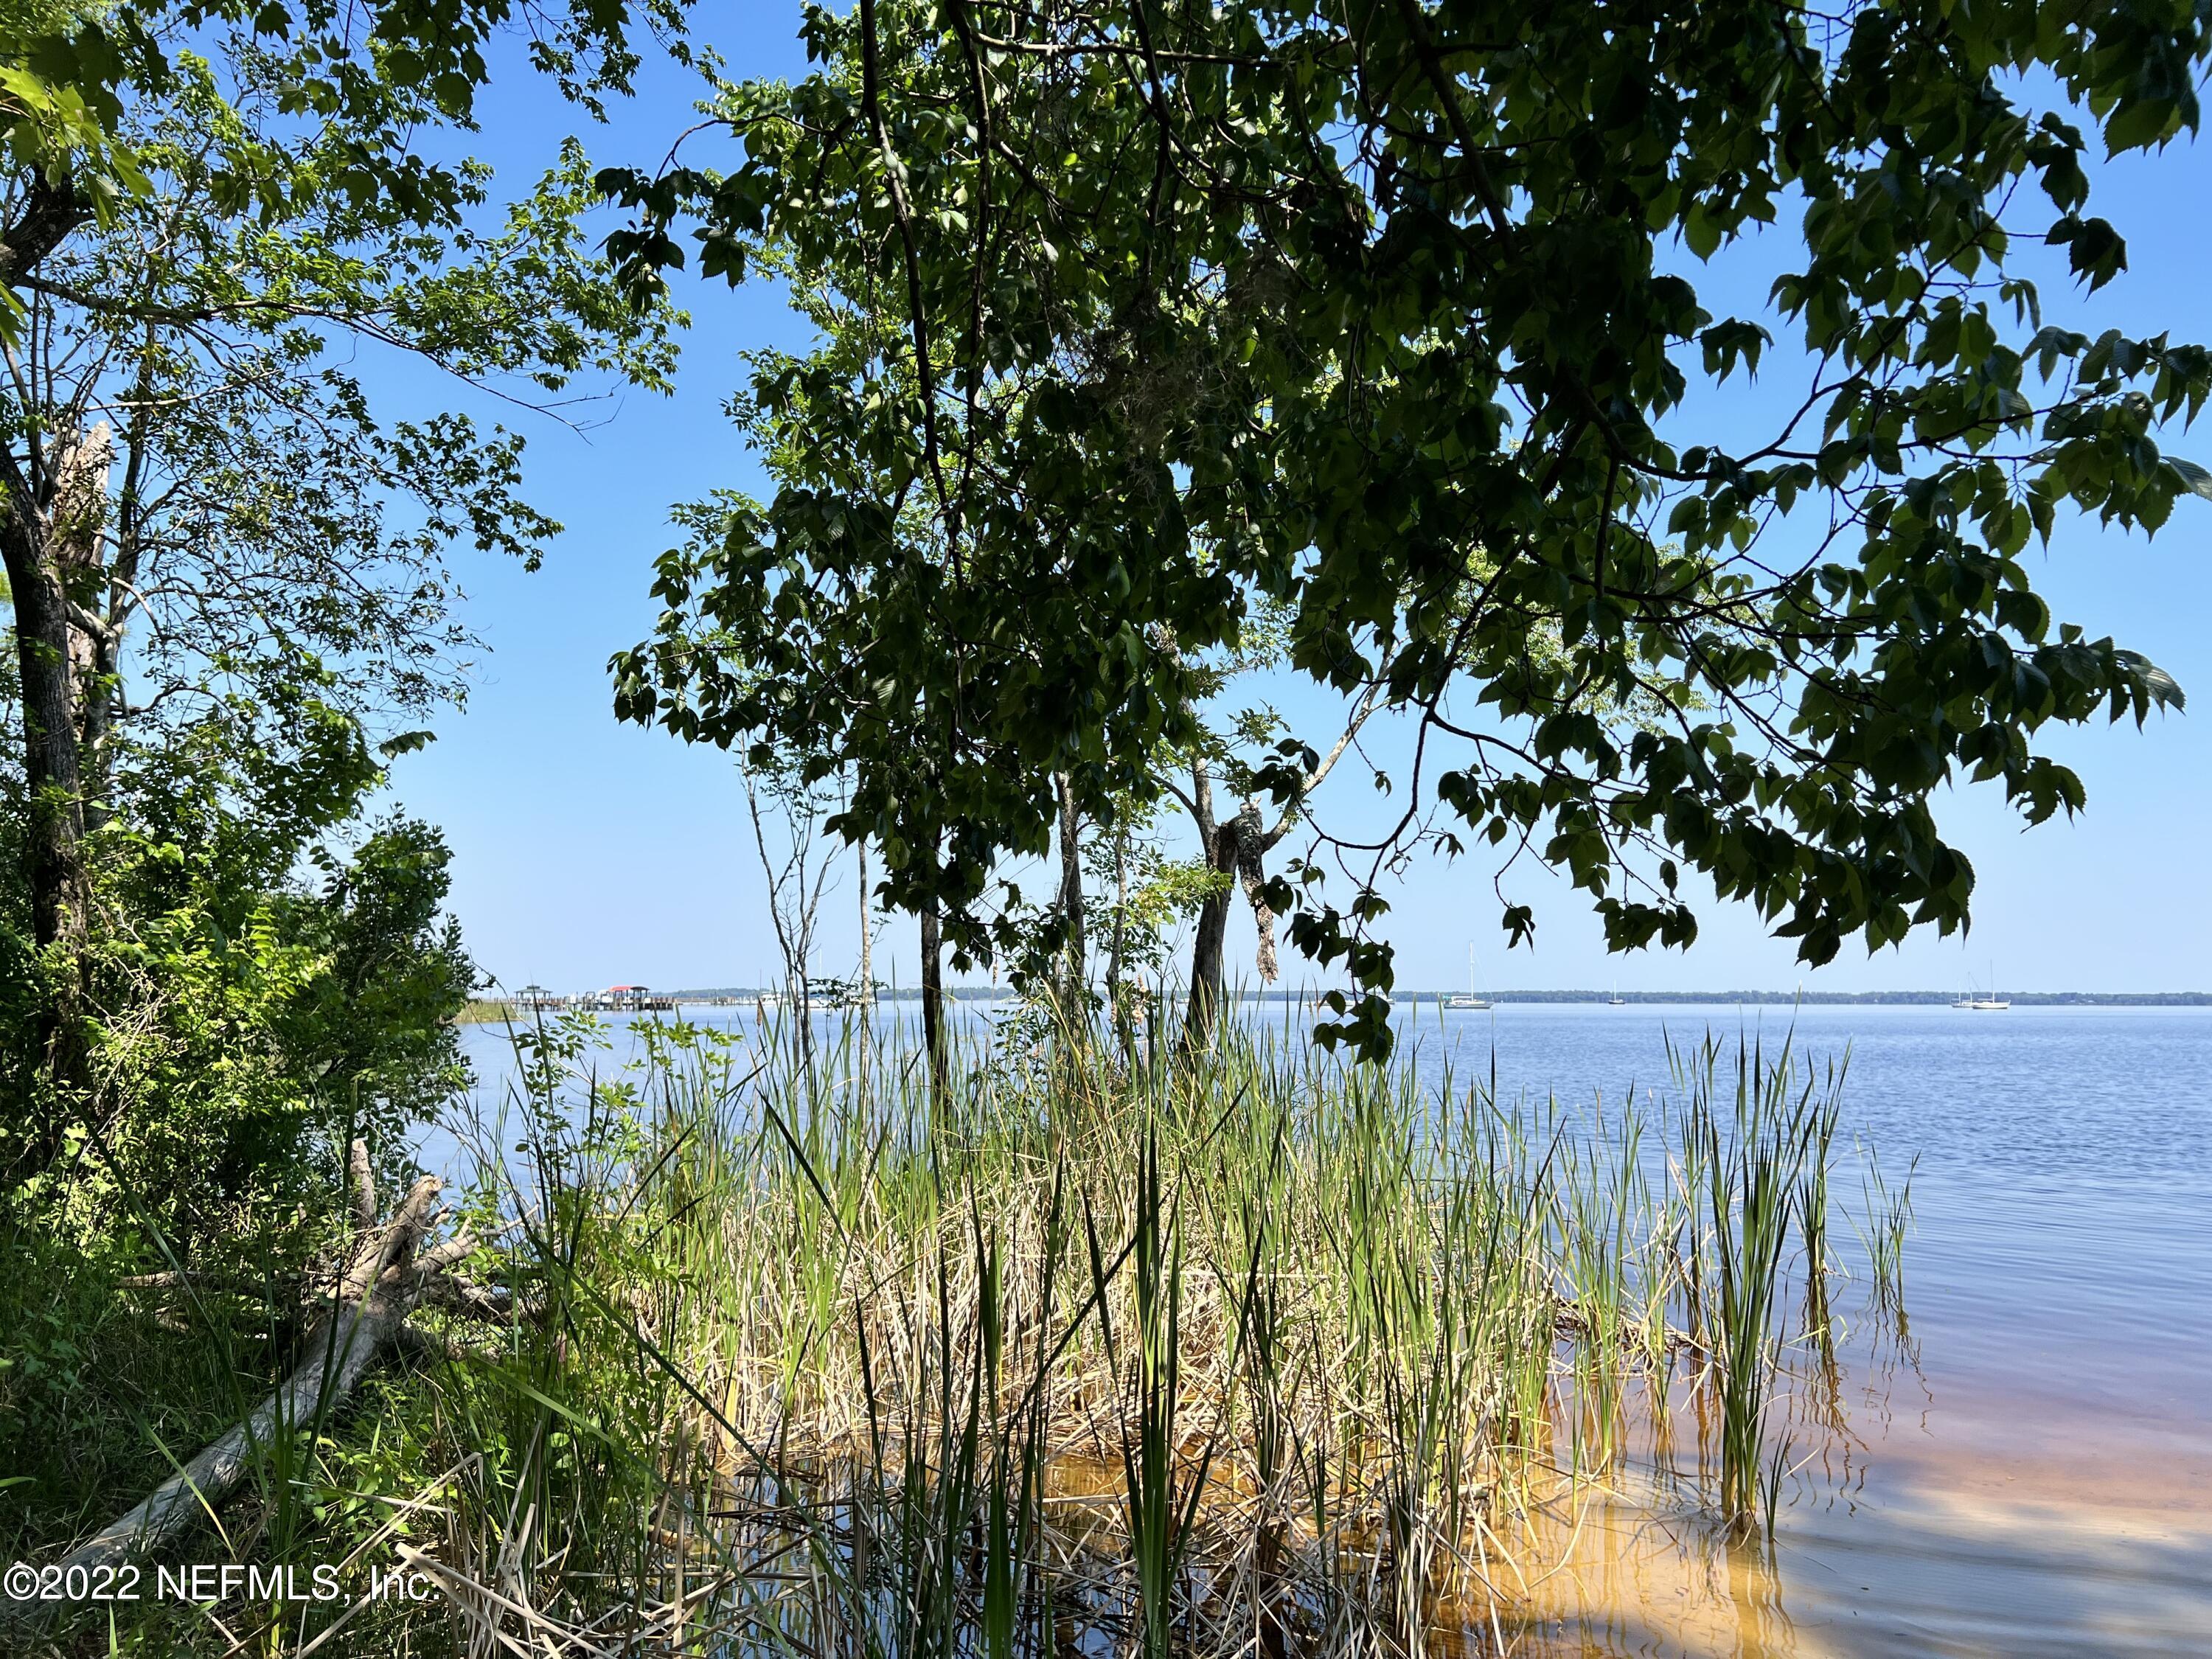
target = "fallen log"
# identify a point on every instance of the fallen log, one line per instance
(381, 1278)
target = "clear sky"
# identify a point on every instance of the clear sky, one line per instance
(589, 853)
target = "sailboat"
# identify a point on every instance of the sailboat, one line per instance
(1992, 1003)
(1470, 1000)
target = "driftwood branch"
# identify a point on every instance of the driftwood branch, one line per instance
(384, 1275)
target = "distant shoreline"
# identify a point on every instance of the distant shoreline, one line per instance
(1849, 998)
(1783, 999)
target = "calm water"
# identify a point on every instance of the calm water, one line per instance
(2030, 1472)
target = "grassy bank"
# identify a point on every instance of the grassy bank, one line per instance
(1269, 1350)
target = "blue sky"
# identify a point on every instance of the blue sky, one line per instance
(589, 853)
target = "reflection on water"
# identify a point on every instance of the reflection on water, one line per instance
(2021, 1470)
(1932, 1574)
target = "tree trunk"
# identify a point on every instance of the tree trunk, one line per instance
(868, 989)
(1252, 844)
(53, 851)
(933, 998)
(53, 831)
(76, 545)
(867, 936)
(53, 848)
(1073, 951)
(97, 717)
(932, 984)
(1206, 967)
(382, 1278)
(1235, 852)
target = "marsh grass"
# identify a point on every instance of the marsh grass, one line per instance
(1269, 1352)
(1763, 1160)
(1270, 1349)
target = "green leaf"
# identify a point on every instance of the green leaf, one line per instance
(2194, 479)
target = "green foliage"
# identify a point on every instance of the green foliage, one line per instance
(91, 1390)
(228, 569)
(272, 977)
(71, 72)
(268, 522)
(1385, 313)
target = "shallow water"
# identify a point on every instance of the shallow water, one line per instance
(2025, 1473)
(2030, 1475)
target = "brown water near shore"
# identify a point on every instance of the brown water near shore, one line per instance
(2043, 1525)
(1963, 1560)
(2029, 1474)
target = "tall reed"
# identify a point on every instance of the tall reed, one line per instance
(1762, 1159)
(1267, 1348)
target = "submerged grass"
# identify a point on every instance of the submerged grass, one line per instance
(1264, 1352)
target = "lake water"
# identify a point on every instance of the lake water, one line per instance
(2030, 1472)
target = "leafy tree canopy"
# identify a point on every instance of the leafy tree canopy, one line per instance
(1195, 305)
(226, 565)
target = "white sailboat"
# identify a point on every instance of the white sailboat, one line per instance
(1470, 1000)
(1980, 1003)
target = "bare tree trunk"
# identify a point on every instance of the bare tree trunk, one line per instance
(1249, 844)
(96, 718)
(794, 897)
(867, 936)
(77, 543)
(868, 991)
(105, 700)
(383, 1276)
(1205, 954)
(1236, 852)
(53, 849)
(1073, 951)
(54, 829)
(1212, 923)
(933, 998)
(932, 982)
